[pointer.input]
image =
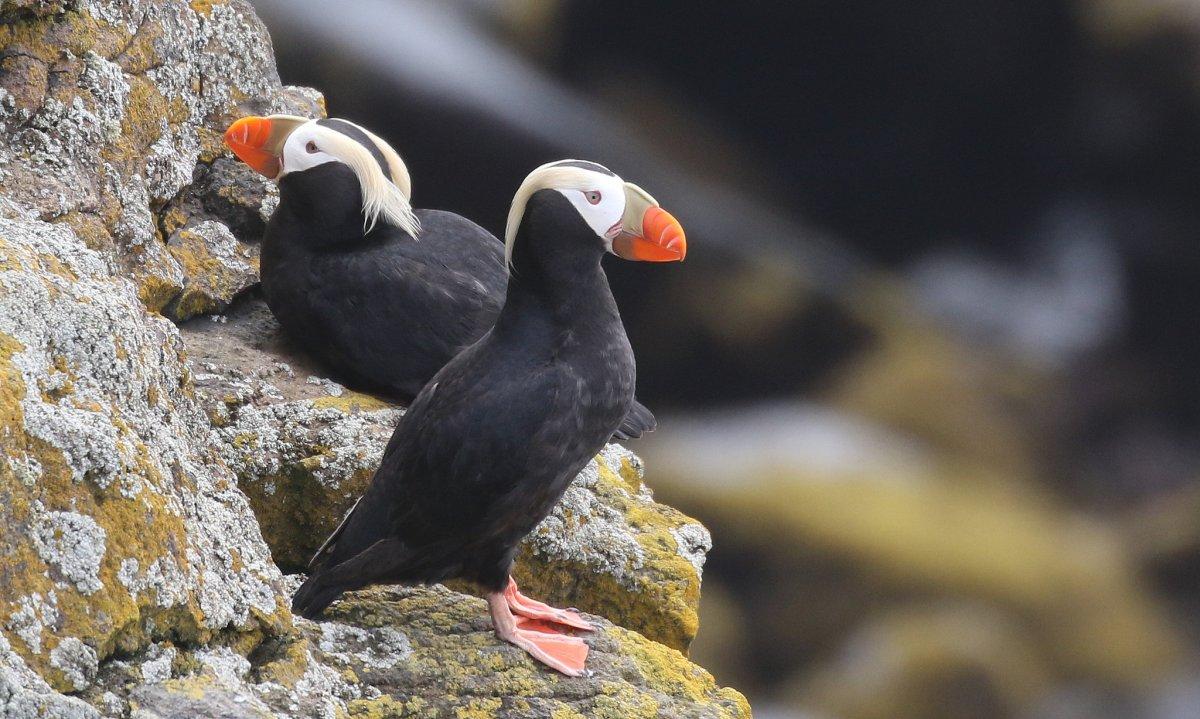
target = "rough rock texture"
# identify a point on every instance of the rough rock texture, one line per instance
(409, 653)
(112, 110)
(120, 524)
(134, 578)
(304, 449)
(610, 549)
(396, 639)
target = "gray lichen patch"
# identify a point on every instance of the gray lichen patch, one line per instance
(32, 617)
(156, 666)
(694, 543)
(585, 529)
(74, 544)
(76, 660)
(26, 695)
(377, 648)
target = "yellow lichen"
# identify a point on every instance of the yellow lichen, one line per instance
(204, 7)
(155, 291)
(1071, 580)
(351, 402)
(478, 709)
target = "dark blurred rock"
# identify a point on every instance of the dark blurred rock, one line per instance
(819, 538)
(939, 662)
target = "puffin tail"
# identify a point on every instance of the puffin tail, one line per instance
(387, 560)
(638, 422)
(313, 596)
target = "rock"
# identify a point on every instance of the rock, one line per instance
(216, 266)
(134, 577)
(918, 378)
(140, 94)
(412, 652)
(943, 661)
(833, 540)
(120, 523)
(303, 456)
(608, 548)
(401, 645)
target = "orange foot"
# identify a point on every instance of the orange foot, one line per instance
(538, 637)
(523, 606)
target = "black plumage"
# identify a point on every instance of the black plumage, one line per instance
(490, 444)
(383, 310)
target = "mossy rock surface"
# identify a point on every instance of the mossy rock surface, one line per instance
(305, 448)
(432, 653)
(134, 575)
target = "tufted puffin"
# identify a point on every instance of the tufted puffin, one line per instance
(490, 444)
(381, 293)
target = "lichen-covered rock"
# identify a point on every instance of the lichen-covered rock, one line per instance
(216, 268)
(133, 574)
(432, 653)
(112, 110)
(608, 548)
(24, 694)
(303, 446)
(169, 681)
(404, 652)
(305, 451)
(120, 523)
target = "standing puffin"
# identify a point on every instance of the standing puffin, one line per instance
(381, 293)
(490, 444)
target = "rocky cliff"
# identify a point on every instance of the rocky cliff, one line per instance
(154, 477)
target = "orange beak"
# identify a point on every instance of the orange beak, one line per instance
(258, 141)
(661, 239)
(250, 140)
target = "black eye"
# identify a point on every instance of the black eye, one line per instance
(593, 197)
(311, 147)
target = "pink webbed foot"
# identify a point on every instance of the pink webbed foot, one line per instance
(560, 652)
(532, 609)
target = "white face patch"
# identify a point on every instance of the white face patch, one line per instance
(600, 201)
(306, 147)
(312, 144)
(599, 196)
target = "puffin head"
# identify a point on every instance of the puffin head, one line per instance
(282, 146)
(624, 218)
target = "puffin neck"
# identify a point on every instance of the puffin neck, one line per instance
(325, 201)
(556, 271)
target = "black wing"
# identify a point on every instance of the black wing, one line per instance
(418, 301)
(479, 445)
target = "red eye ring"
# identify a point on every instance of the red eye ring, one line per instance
(311, 147)
(593, 196)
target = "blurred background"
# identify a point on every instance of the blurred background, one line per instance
(929, 372)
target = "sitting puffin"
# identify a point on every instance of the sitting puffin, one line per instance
(381, 293)
(490, 444)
